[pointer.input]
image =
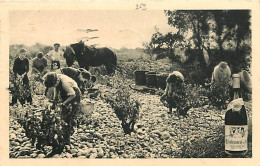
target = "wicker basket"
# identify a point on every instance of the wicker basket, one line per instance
(140, 77)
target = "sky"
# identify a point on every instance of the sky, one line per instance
(116, 29)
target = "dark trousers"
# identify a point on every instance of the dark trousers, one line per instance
(27, 98)
(69, 114)
(55, 62)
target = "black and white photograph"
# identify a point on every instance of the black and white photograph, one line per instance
(130, 84)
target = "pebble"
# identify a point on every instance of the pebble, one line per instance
(80, 130)
(173, 144)
(97, 134)
(68, 155)
(165, 135)
(93, 150)
(89, 145)
(73, 151)
(13, 143)
(112, 148)
(140, 136)
(25, 139)
(144, 144)
(16, 148)
(41, 155)
(86, 152)
(56, 156)
(20, 130)
(94, 155)
(100, 154)
(81, 157)
(12, 136)
(20, 140)
(84, 138)
(67, 147)
(12, 155)
(139, 125)
(140, 131)
(24, 152)
(157, 132)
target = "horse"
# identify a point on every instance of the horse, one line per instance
(87, 56)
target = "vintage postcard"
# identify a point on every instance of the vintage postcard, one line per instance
(124, 83)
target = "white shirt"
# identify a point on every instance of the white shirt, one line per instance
(221, 76)
(68, 84)
(55, 55)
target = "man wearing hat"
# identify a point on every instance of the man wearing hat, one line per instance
(55, 55)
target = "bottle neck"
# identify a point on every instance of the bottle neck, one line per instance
(237, 93)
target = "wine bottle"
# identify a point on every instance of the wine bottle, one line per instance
(236, 127)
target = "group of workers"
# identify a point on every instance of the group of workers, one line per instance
(67, 82)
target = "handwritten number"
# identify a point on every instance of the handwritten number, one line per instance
(141, 6)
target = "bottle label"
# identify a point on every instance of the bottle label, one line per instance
(236, 137)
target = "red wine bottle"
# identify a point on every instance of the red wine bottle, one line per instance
(236, 127)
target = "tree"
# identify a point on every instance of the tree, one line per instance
(219, 17)
(223, 27)
(239, 22)
(148, 48)
(230, 25)
(164, 45)
(224, 34)
(193, 22)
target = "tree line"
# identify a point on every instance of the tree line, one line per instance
(225, 35)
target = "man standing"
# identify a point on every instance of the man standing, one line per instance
(55, 55)
(39, 64)
(21, 80)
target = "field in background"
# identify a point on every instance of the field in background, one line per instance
(126, 54)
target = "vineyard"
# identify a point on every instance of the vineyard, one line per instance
(100, 133)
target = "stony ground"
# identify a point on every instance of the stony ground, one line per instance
(158, 134)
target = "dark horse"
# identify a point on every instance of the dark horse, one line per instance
(87, 56)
